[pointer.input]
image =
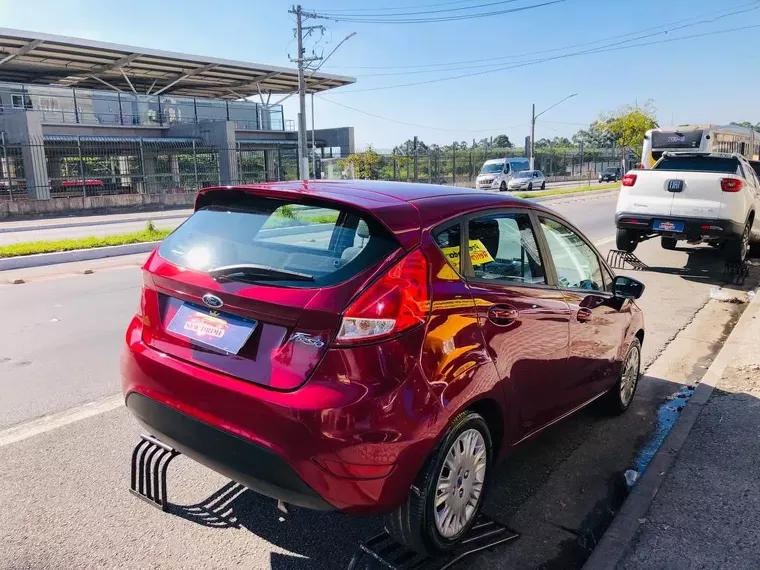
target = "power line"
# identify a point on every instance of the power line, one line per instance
(436, 19)
(392, 14)
(741, 9)
(436, 5)
(490, 65)
(603, 49)
(407, 123)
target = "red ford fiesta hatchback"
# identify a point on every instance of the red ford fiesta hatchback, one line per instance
(326, 344)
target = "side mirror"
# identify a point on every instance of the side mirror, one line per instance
(627, 288)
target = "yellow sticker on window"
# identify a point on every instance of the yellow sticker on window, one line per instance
(478, 253)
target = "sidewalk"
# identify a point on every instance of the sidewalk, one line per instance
(705, 511)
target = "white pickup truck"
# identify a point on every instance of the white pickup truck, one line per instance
(695, 197)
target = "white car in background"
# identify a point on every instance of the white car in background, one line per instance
(527, 180)
(496, 173)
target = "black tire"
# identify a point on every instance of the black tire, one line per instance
(616, 401)
(625, 240)
(736, 249)
(668, 242)
(530, 186)
(503, 187)
(543, 186)
(413, 523)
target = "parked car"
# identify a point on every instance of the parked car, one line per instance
(612, 174)
(496, 173)
(697, 197)
(527, 180)
(356, 362)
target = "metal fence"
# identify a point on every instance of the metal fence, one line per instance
(461, 166)
(90, 166)
(65, 105)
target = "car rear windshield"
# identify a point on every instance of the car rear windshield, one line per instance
(271, 240)
(699, 164)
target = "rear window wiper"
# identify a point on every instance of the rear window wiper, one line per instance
(255, 271)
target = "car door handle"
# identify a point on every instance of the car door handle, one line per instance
(503, 315)
(584, 315)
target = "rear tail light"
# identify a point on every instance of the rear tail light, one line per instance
(398, 301)
(731, 184)
(629, 179)
(634, 221)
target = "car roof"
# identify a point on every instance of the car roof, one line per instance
(404, 208)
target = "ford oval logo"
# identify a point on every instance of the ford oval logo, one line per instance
(212, 301)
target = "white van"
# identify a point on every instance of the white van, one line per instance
(498, 172)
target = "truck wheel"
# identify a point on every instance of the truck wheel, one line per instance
(446, 498)
(626, 240)
(503, 187)
(668, 242)
(736, 249)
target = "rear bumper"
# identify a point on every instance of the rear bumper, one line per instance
(254, 466)
(694, 228)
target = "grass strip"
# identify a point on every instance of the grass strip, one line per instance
(52, 246)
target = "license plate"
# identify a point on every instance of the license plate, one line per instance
(675, 185)
(224, 332)
(667, 226)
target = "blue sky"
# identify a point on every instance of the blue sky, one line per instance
(708, 79)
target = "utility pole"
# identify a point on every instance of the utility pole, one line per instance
(533, 128)
(533, 138)
(301, 60)
(313, 141)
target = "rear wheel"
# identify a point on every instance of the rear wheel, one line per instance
(448, 493)
(543, 186)
(668, 242)
(503, 187)
(619, 398)
(530, 186)
(626, 240)
(736, 249)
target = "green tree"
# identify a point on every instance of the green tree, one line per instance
(366, 165)
(628, 125)
(502, 141)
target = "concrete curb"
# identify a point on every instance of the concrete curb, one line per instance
(72, 224)
(621, 533)
(576, 195)
(26, 261)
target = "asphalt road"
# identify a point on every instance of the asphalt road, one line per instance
(64, 489)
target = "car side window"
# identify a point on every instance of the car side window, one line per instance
(503, 247)
(576, 263)
(449, 241)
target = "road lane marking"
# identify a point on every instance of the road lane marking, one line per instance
(60, 419)
(604, 241)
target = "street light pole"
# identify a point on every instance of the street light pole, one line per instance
(533, 138)
(533, 128)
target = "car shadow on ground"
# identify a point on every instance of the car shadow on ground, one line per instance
(323, 540)
(312, 539)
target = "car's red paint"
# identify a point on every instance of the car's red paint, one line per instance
(357, 423)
